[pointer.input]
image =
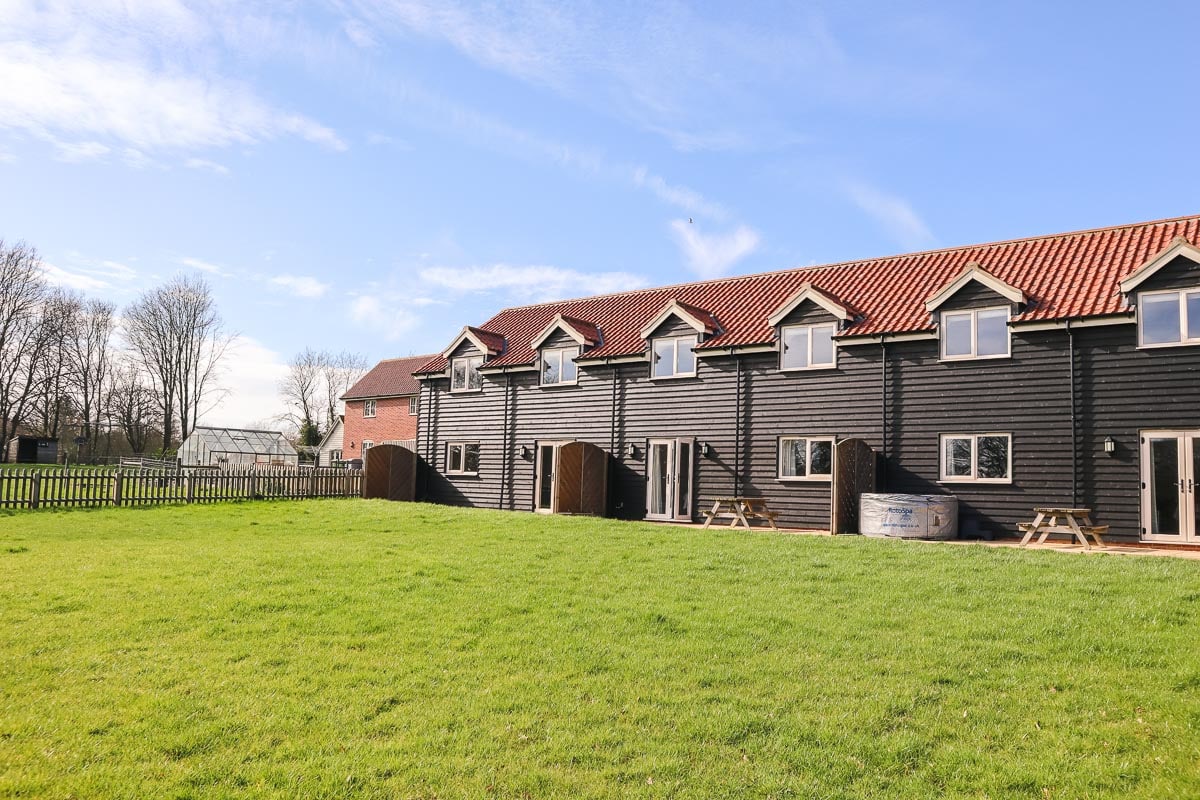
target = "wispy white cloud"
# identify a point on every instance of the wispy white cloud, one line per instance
(88, 275)
(384, 316)
(205, 164)
(301, 285)
(711, 255)
(252, 372)
(75, 152)
(116, 74)
(204, 266)
(894, 213)
(529, 282)
(678, 196)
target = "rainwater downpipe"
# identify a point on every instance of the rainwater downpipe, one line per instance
(737, 432)
(1074, 434)
(883, 405)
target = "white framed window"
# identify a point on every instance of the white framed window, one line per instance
(335, 455)
(807, 346)
(414, 405)
(366, 445)
(464, 374)
(978, 333)
(558, 366)
(976, 457)
(1169, 318)
(673, 357)
(805, 458)
(368, 408)
(462, 458)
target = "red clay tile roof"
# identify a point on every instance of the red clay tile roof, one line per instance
(584, 328)
(494, 340)
(392, 377)
(1067, 275)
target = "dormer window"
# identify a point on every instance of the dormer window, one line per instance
(978, 333)
(807, 346)
(558, 366)
(672, 357)
(464, 374)
(1169, 318)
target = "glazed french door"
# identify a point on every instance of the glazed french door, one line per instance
(669, 471)
(546, 470)
(1170, 470)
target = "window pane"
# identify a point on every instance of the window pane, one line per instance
(686, 359)
(570, 371)
(992, 337)
(822, 345)
(474, 379)
(795, 458)
(455, 458)
(1160, 319)
(458, 378)
(470, 458)
(664, 358)
(958, 457)
(1193, 315)
(957, 334)
(993, 457)
(795, 348)
(822, 458)
(550, 370)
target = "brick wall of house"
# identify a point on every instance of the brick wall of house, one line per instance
(391, 421)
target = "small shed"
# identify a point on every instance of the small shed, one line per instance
(329, 451)
(32, 450)
(234, 448)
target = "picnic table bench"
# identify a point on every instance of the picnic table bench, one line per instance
(1076, 523)
(741, 510)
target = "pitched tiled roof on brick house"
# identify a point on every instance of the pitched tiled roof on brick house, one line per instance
(392, 377)
(1062, 276)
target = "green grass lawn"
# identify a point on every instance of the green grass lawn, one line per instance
(363, 649)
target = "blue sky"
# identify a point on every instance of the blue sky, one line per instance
(371, 175)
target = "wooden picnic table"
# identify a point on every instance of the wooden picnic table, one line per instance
(741, 510)
(1076, 522)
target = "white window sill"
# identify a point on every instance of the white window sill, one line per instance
(682, 376)
(978, 481)
(956, 359)
(1167, 345)
(465, 391)
(560, 385)
(816, 368)
(812, 479)
(463, 474)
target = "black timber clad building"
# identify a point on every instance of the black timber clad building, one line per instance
(1075, 390)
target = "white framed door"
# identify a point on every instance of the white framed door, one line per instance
(545, 471)
(670, 479)
(1170, 462)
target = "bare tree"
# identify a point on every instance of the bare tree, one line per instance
(340, 371)
(89, 353)
(22, 291)
(301, 391)
(313, 387)
(176, 336)
(132, 405)
(50, 400)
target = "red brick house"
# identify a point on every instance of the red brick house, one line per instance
(382, 407)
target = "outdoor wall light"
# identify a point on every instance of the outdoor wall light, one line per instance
(526, 452)
(631, 450)
(704, 449)
(1110, 445)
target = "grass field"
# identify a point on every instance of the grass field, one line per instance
(365, 649)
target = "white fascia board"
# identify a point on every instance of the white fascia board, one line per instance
(974, 272)
(1179, 247)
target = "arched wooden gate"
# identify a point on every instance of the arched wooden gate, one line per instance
(853, 474)
(391, 473)
(581, 481)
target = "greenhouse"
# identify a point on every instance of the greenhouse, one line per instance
(232, 448)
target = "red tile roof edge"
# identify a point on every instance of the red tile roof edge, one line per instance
(391, 377)
(1064, 275)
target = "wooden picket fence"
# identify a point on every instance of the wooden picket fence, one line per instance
(38, 488)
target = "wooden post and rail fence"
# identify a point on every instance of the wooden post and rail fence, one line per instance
(48, 488)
